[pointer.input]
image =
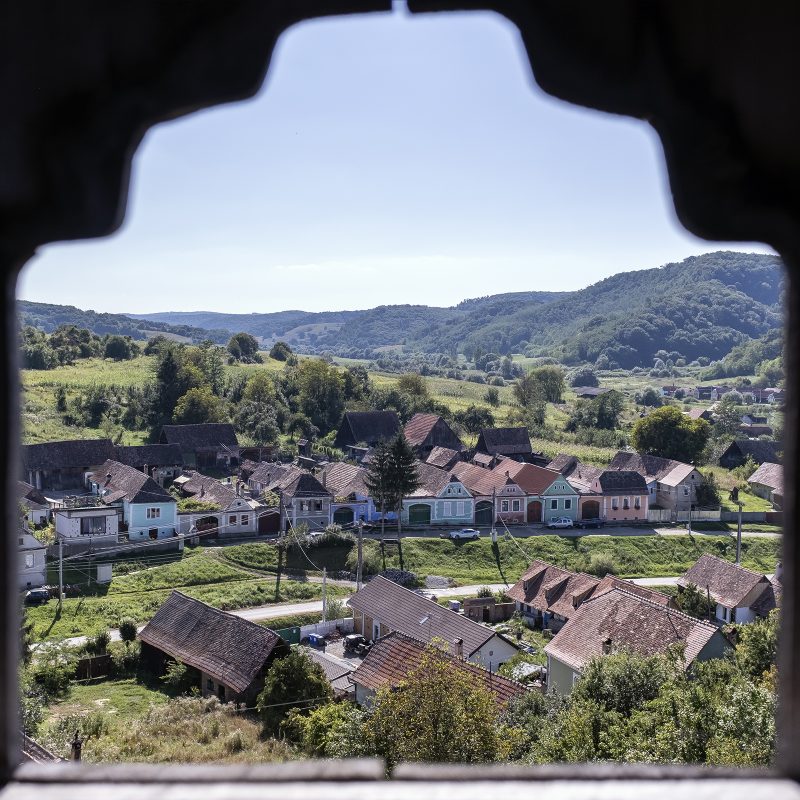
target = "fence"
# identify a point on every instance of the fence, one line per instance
(670, 515)
(747, 516)
(345, 626)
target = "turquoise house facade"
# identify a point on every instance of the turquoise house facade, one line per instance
(441, 500)
(559, 500)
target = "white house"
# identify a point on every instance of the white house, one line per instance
(32, 571)
(86, 522)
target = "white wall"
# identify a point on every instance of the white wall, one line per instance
(494, 653)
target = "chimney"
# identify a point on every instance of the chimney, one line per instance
(607, 646)
(108, 478)
(324, 479)
(202, 490)
(458, 648)
(779, 571)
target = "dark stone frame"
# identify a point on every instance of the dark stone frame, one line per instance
(83, 81)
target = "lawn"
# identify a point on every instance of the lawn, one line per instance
(138, 595)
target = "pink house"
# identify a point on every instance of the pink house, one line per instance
(623, 495)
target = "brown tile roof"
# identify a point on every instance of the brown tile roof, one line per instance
(304, 485)
(443, 457)
(274, 476)
(727, 583)
(769, 475)
(153, 455)
(72, 453)
(229, 649)
(630, 623)
(563, 463)
(759, 450)
(369, 427)
(613, 582)
(401, 610)
(769, 599)
(478, 481)
(505, 441)
(432, 480)
(395, 656)
(336, 671)
(483, 459)
(213, 435)
(209, 490)
(418, 428)
(128, 483)
(31, 496)
(342, 479)
(530, 478)
(621, 482)
(552, 589)
(650, 467)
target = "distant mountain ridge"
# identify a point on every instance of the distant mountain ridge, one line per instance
(702, 306)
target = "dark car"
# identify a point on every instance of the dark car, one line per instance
(353, 641)
(35, 597)
(591, 523)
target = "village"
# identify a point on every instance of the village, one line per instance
(374, 631)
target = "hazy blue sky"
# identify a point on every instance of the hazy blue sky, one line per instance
(387, 159)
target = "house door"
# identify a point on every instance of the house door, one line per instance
(535, 511)
(590, 509)
(154, 533)
(483, 512)
(419, 514)
(376, 631)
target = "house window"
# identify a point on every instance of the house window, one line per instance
(553, 505)
(625, 504)
(232, 519)
(318, 505)
(460, 508)
(29, 560)
(568, 503)
(685, 491)
(447, 508)
(515, 505)
(504, 505)
(210, 684)
(245, 519)
(94, 526)
(153, 513)
(637, 503)
(614, 504)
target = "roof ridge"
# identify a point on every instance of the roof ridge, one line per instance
(734, 564)
(670, 611)
(250, 623)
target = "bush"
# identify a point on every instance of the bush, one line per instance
(53, 669)
(602, 564)
(337, 609)
(125, 660)
(180, 678)
(485, 591)
(127, 630)
(98, 645)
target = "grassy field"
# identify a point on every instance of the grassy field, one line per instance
(122, 720)
(140, 594)
(478, 562)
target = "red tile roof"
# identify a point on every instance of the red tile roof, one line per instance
(727, 583)
(552, 589)
(394, 657)
(530, 478)
(418, 428)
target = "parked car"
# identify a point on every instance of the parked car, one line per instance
(591, 523)
(560, 522)
(353, 641)
(34, 597)
(464, 533)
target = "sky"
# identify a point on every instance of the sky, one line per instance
(388, 158)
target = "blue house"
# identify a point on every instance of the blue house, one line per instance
(441, 499)
(560, 499)
(146, 509)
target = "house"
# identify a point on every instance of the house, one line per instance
(547, 596)
(624, 495)
(231, 654)
(758, 450)
(162, 462)
(381, 607)
(611, 582)
(64, 465)
(734, 589)
(85, 522)
(510, 442)
(426, 431)
(234, 515)
(484, 485)
(305, 501)
(589, 392)
(754, 431)
(535, 484)
(440, 499)
(700, 413)
(34, 503)
(337, 671)
(351, 498)
(754, 419)
(394, 657)
(32, 564)
(618, 620)
(671, 484)
(774, 396)
(207, 444)
(767, 482)
(366, 428)
(443, 457)
(270, 476)
(581, 478)
(148, 511)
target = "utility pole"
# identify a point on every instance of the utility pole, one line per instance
(690, 519)
(494, 511)
(739, 535)
(360, 553)
(60, 571)
(324, 594)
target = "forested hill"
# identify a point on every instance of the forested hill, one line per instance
(48, 317)
(703, 306)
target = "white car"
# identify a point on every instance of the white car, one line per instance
(560, 522)
(464, 533)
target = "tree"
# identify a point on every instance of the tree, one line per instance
(413, 384)
(127, 630)
(378, 480)
(584, 377)
(321, 393)
(668, 433)
(694, 602)
(440, 713)
(197, 406)
(244, 347)
(120, 348)
(649, 397)
(543, 384)
(280, 351)
(402, 474)
(474, 418)
(727, 418)
(757, 650)
(492, 397)
(258, 421)
(292, 682)
(356, 383)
